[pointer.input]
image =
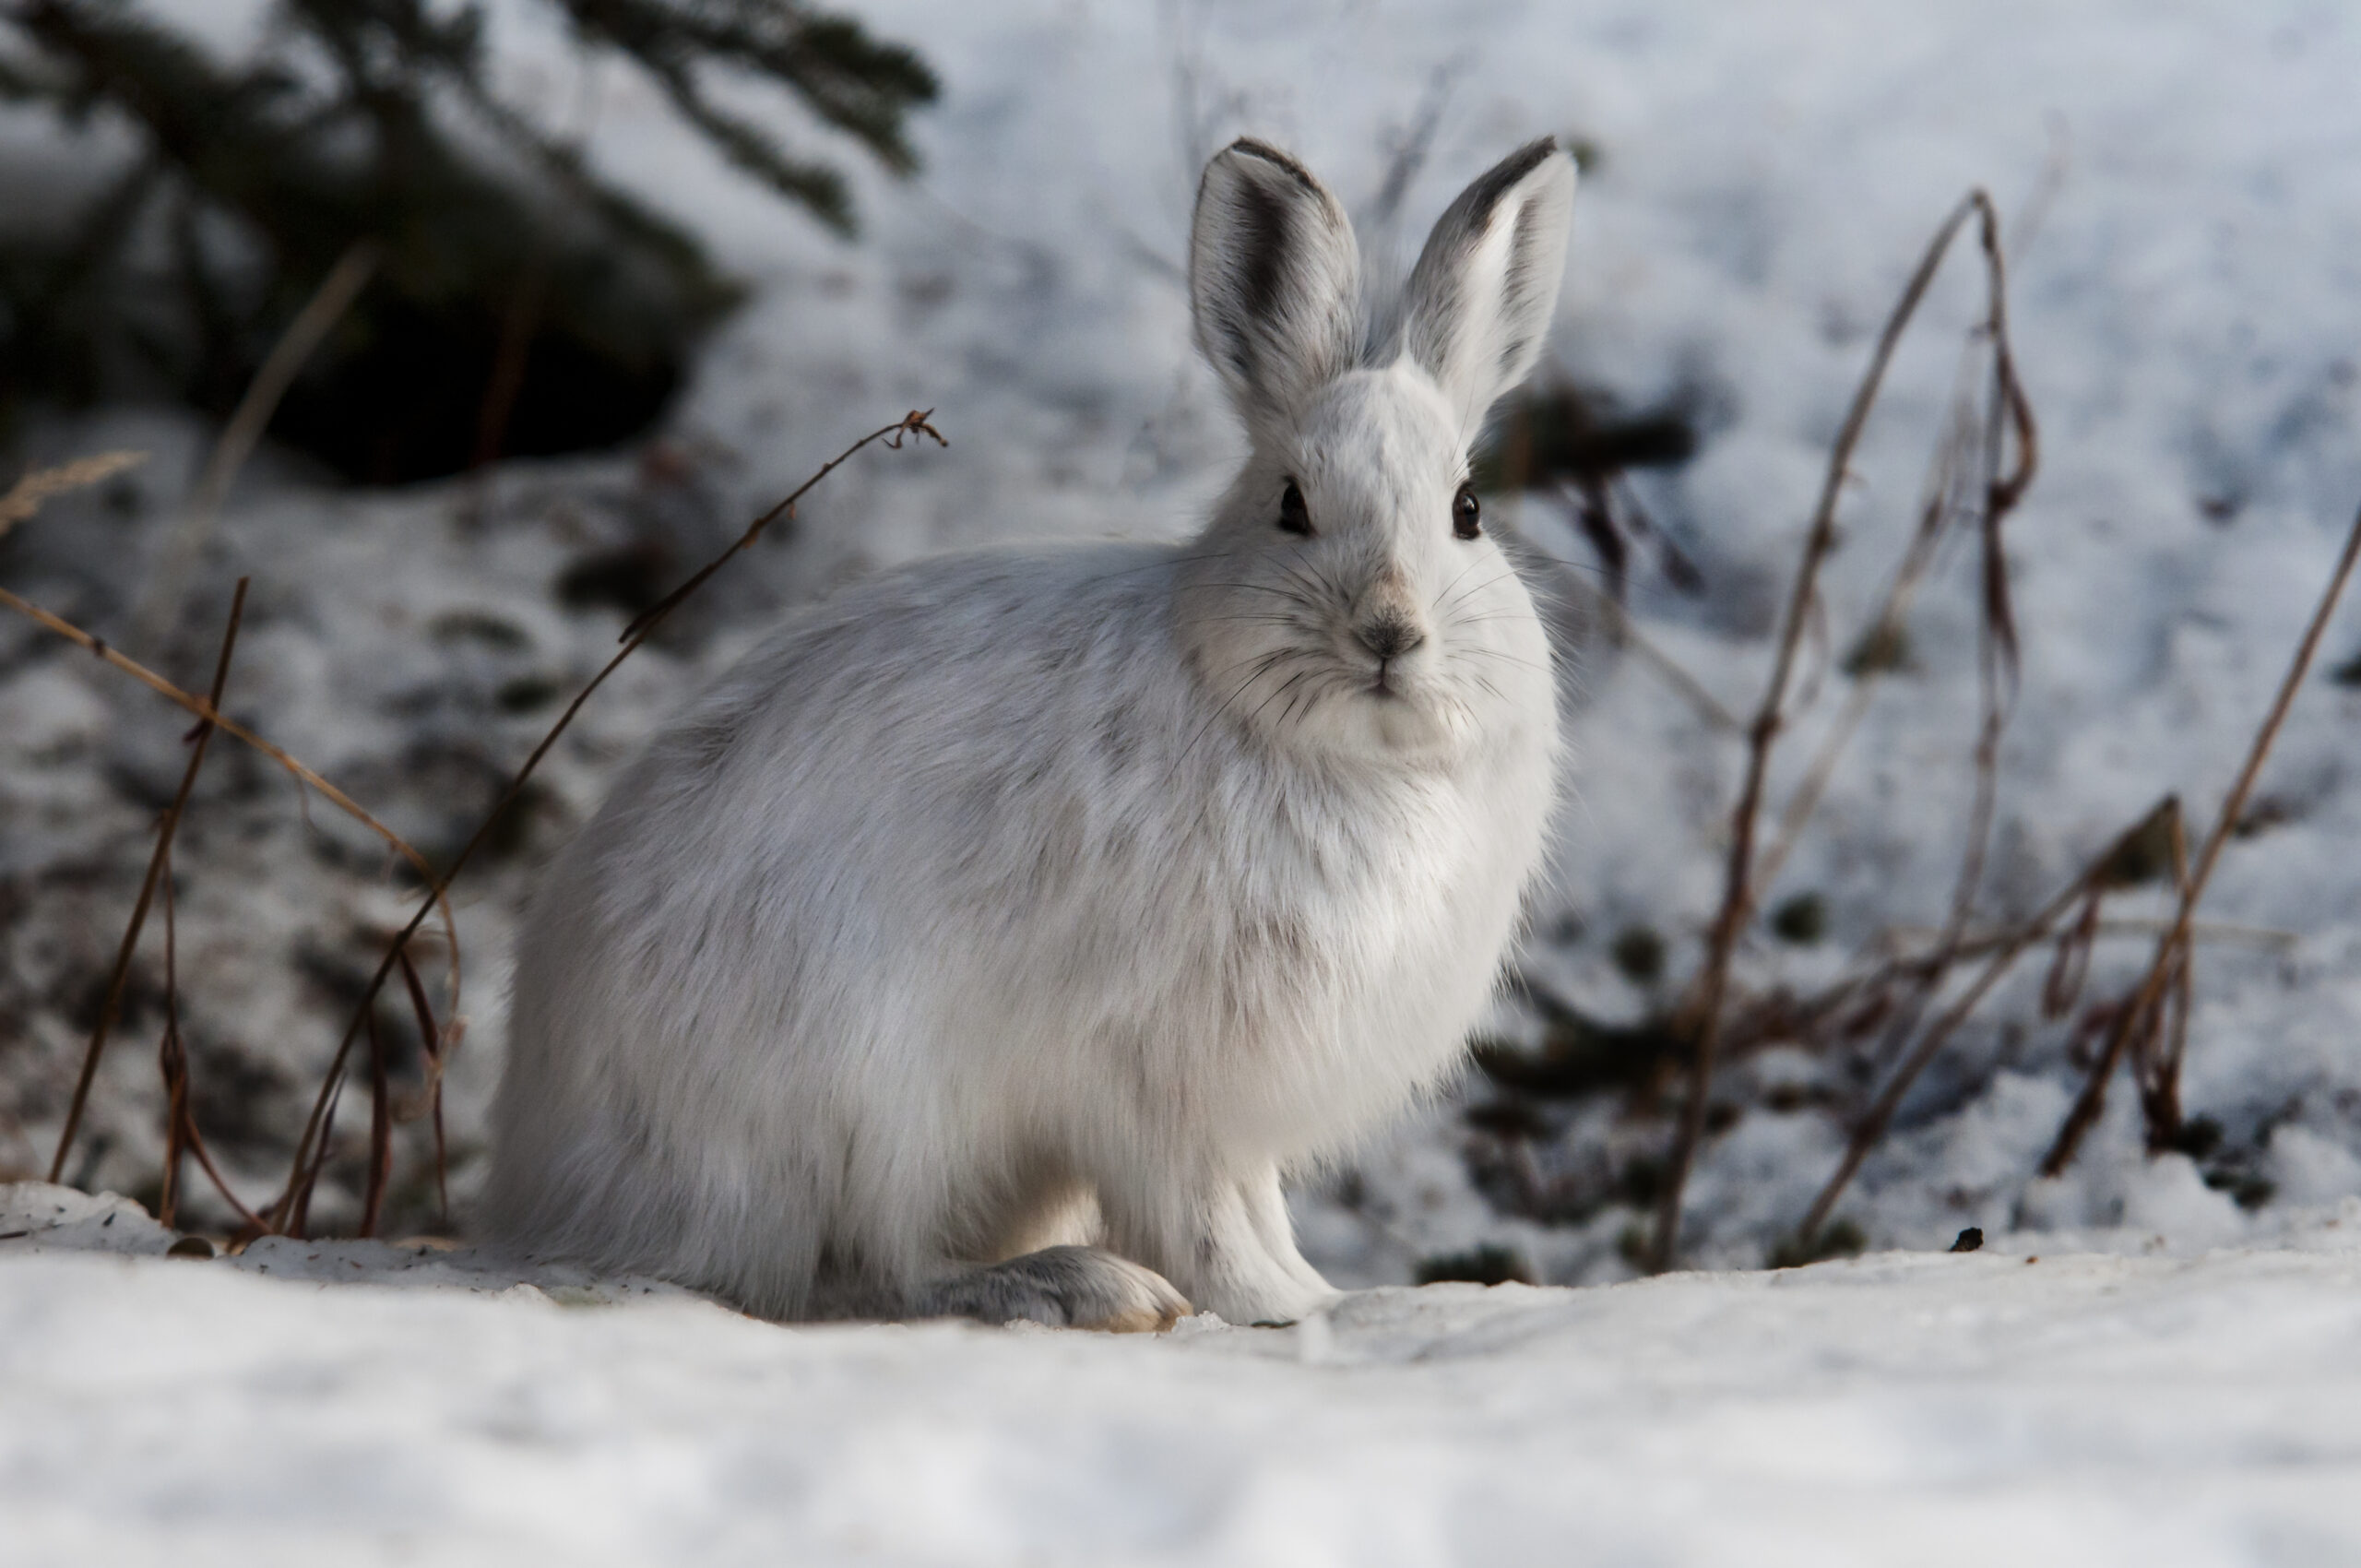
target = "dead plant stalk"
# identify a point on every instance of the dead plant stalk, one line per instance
(206, 712)
(181, 1134)
(311, 1154)
(22, 501)
(1738, 886)
(2086, 889)
(157, 862)
(2172, 948)
(25, 496)
(1884, 639)
(1996, 653)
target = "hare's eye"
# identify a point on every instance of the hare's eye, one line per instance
(1294, 517)
(1466, 512)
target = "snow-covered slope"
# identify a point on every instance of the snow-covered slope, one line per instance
(1901, 1408)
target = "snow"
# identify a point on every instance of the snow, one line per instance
(2172, 1380)
(1897, 1407)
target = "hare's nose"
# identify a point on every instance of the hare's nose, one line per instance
(1389, 637)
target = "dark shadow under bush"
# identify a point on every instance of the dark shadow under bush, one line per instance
(519, 304)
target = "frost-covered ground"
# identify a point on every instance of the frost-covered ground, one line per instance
(2185, 192)
(1999, 1407)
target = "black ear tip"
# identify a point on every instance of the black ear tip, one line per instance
(1503, 177)
(1527, 158)
(1264, 152)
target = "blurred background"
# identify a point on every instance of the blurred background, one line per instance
(468, 331)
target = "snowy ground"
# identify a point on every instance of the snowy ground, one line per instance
(2185, 192)
(1999, 1407)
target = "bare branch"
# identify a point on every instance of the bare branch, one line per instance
(310, 1152)
(2172, 948)
(1738, 899)
(112, 1008)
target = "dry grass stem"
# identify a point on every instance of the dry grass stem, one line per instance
(1880, 649)
(291, 1211)
(2086, 889)
(172, 1058)
(2008, 413)
(2142, 1010)
(381, 1128)
(1705, 1004)
(25, 497)
(2158, 1071)
(181, 1136)
(433, 1040)
(206, 712)
(1806, 1015)
(111, 1008)
(1978, 942)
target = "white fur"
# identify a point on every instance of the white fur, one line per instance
(1072, 895)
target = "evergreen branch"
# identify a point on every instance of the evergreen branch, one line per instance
(818, 187)
(378, 121)
(858, 84)
(633, 221)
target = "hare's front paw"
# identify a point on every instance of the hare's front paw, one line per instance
(1063, 1287)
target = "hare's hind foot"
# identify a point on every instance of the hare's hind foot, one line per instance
(1063, 1287)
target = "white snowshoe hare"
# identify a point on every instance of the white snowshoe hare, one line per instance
(992, 939)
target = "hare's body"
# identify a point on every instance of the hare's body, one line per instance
(1001, 956)
(1013, 906)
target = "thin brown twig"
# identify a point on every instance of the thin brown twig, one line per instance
(431, 1040)
(1978, 942)
(915, 423)
(253, 415)
(1738, 888)
(2069, 967)
(294, 1202)
(297, 1221)
(181, 1134)
(205, 711)
(1939, 505)
(25, 498)
(1871, 1128)
(2156, 1063)
(220, 1183)
(2172, 948)
(173, 1058)
(381, 1129)
(1919, 965)
(112, 1008)
(2007, 412)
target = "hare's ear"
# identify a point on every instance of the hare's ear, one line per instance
(1481, 296)
(1275, 281)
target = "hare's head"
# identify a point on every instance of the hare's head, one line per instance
(1348, 595)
